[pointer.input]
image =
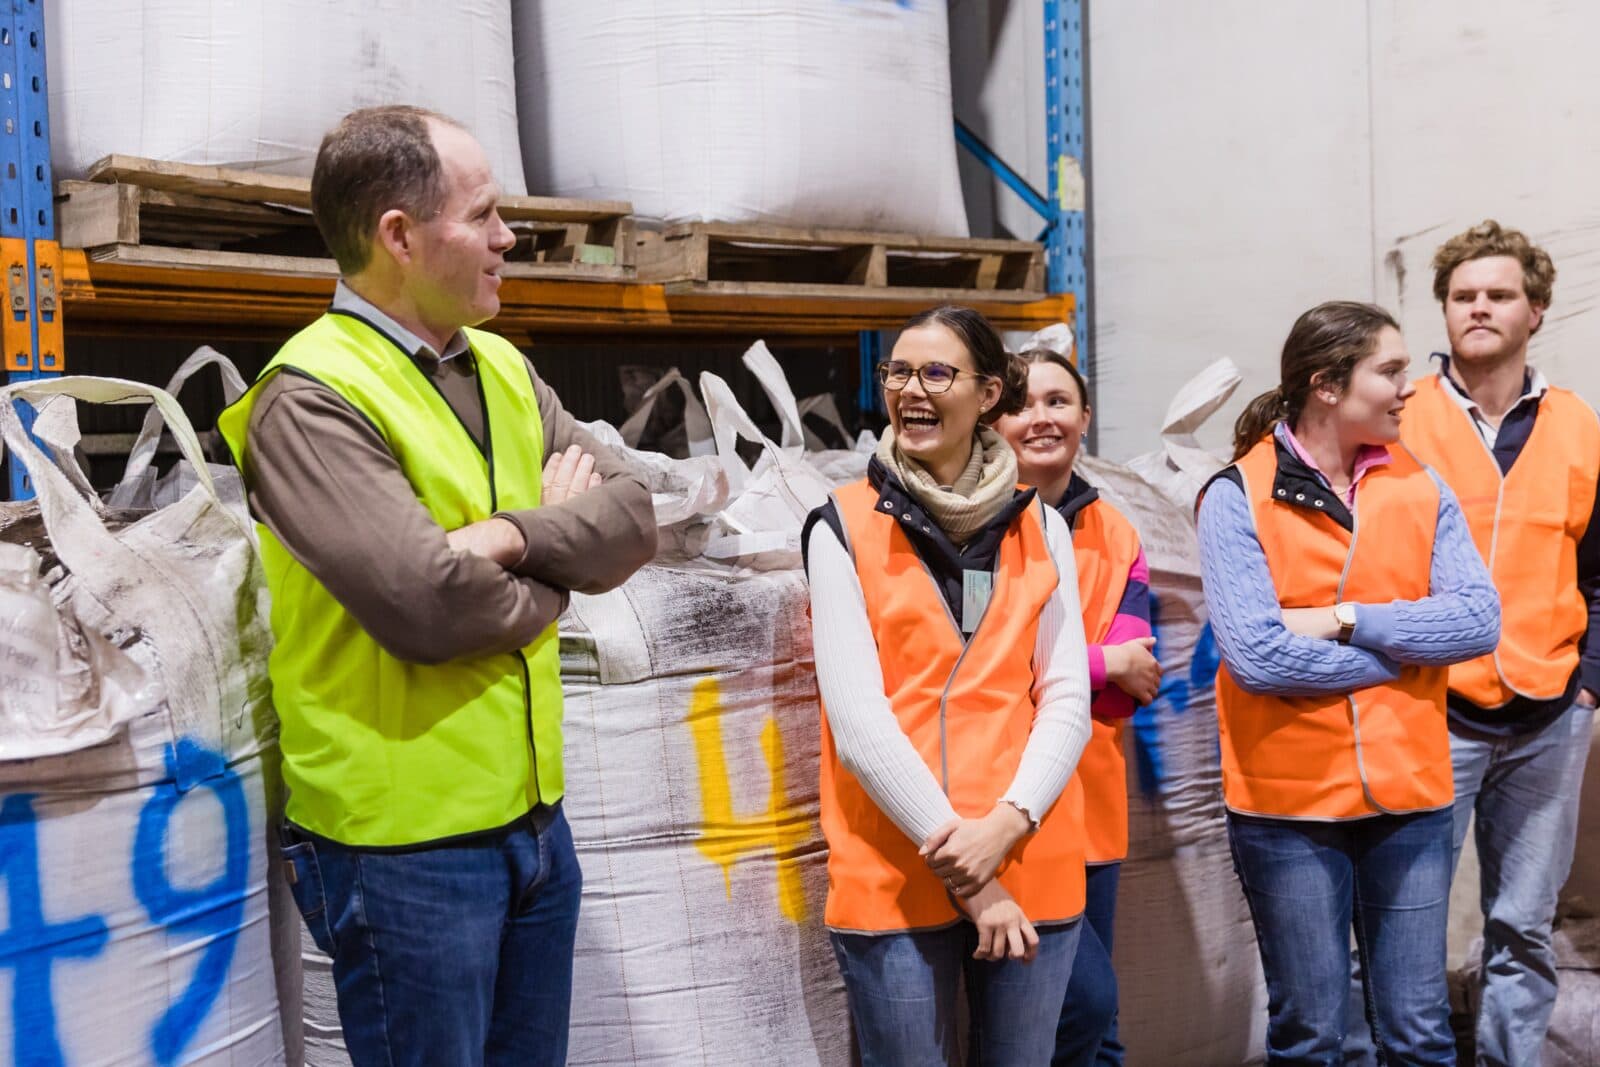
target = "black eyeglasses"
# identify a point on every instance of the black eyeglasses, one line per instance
(936, 378)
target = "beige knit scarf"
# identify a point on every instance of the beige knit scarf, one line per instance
(984, 487)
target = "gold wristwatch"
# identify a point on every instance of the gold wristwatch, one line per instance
(1346, 614)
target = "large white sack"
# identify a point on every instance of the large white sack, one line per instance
(133, 864)
(248, 84)
(1189, 975)
(692, 745)
(814, 112)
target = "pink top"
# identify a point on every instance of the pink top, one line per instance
(1132, 620)
(1368, 457)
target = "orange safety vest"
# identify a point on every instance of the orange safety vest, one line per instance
(1105, 546)
(967, 708)
(1545, 502)
(1383, 749)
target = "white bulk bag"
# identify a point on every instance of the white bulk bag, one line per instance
(810, 112)
(133, 857)
(140, 487)
(1192, 992)
(692, 742)
(246, 84)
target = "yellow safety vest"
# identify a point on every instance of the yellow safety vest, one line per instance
(378, 751)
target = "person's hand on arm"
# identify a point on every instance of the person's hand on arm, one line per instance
(1132, 667)
(1003, 931)
(568, 474)
(966, 853)
(1457, 620)
(1262, 651)
(498, 538)
(587, 535)
(358, 527)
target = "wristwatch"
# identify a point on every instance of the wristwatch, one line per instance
(1345, 613)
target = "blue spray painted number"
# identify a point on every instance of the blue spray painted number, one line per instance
(31, 946)
(1172, 698)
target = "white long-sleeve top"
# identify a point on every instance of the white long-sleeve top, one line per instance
(870, 743)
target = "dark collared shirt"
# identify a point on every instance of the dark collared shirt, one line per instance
(1524, 715)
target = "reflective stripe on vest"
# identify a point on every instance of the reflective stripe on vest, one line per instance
(967, 709)
(1527, 525)
(378, 751)
(1105, 546)
(1341, 755)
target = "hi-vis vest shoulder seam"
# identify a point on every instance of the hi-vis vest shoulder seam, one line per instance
(379, 752)
(967, 708)
(1527, 524)
(1105, 546)
(1378, 750)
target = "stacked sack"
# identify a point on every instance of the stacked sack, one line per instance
(242, 84)
(137, 763)
(810, 112)
(1192, 992)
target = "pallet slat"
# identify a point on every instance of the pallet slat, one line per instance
(256, 186)
(749, 259)
(924, 295)
(154, 213)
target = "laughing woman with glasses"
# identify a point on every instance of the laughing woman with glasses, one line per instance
(953, 821)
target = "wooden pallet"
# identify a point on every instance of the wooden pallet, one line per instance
(150, 213)
(760, 260)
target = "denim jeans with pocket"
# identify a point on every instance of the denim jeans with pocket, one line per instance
(1087, 1032)
(458, 955)
(1308, 883)
(902, 994)
(1524, 791)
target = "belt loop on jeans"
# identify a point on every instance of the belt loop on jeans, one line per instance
(542, 815)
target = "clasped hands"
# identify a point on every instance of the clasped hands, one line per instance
(966, 854)
(567, 475)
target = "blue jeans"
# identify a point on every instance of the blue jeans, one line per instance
(454, 956)
(902, 994)
(1087, 1032)
(1306, 883)
(1525, 793)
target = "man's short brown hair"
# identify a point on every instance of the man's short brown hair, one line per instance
(374, 160)
(1489, 238)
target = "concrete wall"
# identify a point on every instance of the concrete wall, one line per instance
(1250, 158)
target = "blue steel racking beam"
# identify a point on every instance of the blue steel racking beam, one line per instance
(871, 346)
(969, 140)
(30, 258)
(1065, 233)
(1066, 244)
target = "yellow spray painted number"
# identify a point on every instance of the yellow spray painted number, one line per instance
(726, 836)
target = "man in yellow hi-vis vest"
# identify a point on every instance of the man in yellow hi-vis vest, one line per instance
(425, 505)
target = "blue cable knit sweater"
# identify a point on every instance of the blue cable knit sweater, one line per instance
(1458, 620)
